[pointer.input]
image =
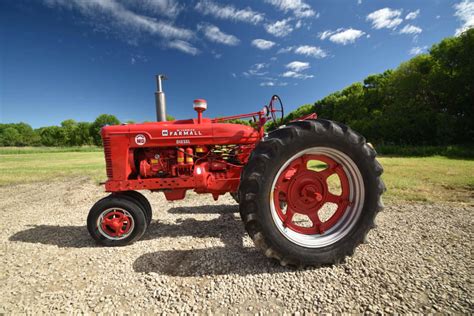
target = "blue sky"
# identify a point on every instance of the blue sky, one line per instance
(77, 59)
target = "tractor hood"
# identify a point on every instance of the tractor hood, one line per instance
(181, 133)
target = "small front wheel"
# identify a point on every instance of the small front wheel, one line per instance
(116, 221)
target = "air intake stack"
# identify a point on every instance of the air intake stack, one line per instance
(160, 99)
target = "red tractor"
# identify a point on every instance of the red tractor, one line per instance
(308, 192)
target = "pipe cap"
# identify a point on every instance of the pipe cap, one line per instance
(200, 105)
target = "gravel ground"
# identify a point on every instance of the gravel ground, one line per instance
(196, 257)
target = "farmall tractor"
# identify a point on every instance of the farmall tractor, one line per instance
(308, 191)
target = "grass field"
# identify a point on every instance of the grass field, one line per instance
(430, 179)
(38, 150)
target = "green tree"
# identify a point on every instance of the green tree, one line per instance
(100, 121)
(69, 128)
(10, 136)
(83, 134)
(25, 135)
(52, 136)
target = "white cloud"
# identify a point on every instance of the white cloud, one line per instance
(306, 50)
(229, 12)
(385, 18)
(168, 8)
(262, 44)
(464, 11)
(184, 46)
(299, 8)
(136, 58)
(313, 51)
(112, 16)
(256, 70)
(296, 75)
(280, 28)
(325, 34)
(359, 2)
(214, 34)
(273, 84)
(418, 50)
(342, 36)
(294, 70)
(410, 29)
(298, 66)
(285, 49)
(412, 15)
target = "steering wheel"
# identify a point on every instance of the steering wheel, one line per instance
(273, 110)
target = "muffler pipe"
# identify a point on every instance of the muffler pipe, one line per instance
(160, 99)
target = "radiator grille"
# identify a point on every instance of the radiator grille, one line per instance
(108, 157)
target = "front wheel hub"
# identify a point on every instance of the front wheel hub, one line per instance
(115, 224)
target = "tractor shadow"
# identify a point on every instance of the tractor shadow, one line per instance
(61, 236)
(232, 258)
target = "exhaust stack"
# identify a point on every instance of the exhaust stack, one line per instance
(160, 99)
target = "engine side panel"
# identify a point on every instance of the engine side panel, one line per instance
(176, 156)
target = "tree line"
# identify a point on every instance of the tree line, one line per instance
(69, 133)
(428, 100)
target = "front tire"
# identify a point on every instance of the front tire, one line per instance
(116, 221)
(288, 184)
(142, 201)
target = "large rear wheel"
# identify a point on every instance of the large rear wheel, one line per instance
(310, 192)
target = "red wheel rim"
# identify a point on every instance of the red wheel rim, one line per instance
(305, 191)
(115, 224)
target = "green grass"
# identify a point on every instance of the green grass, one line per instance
(38, 167)
(430, 179)
(37, 150)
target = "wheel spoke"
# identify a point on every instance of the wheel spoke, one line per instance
(298, 163)
(288, 217)
(337, 199)
(120, 216)
(316, 222)
(282, 186)
(332, 198)
(330, 170)
(107, 220)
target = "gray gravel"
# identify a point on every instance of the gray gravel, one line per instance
(196, 257)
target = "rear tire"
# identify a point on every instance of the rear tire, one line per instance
(277, 183)
(116, 221)
(235, 196)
